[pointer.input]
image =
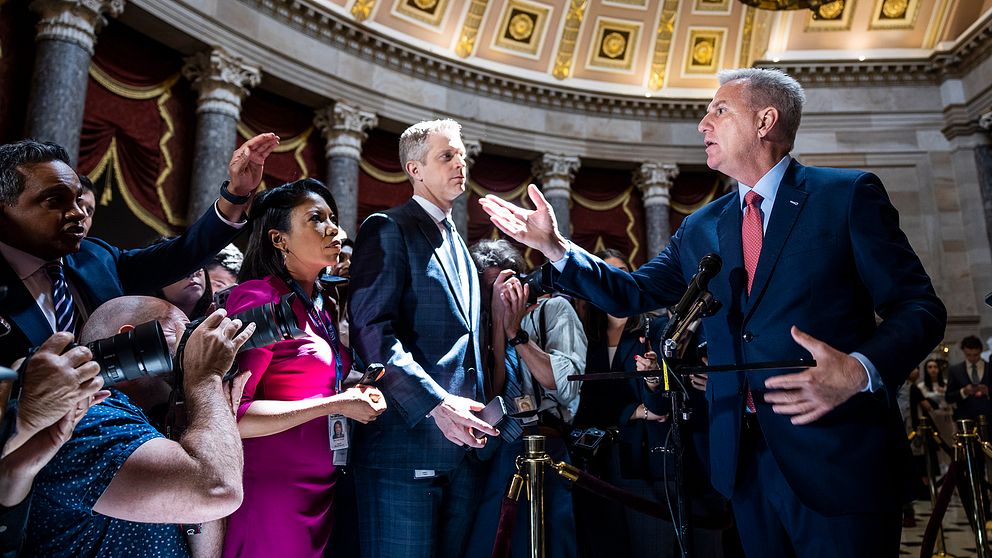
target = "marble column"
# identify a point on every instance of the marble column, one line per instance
(555, 172)
(983, 162)
(655, 180)
(459, 212)
(222, 81)
(344, 128)
(66, 34)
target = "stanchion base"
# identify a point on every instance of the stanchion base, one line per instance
(942, 555)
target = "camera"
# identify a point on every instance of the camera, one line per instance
(132, 354)
(588, 441)
(273, 321)
(535, 281)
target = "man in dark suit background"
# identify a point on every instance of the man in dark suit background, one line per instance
(415, 308)
(968, 383)
(813, 461)
(55, 275)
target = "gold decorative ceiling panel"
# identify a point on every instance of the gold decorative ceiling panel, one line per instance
(429, 12)
(648, 47)
(616, 44)
(522, 27)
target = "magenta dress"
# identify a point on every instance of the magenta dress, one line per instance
(289, 477)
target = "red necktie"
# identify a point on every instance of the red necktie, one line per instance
(751, 235)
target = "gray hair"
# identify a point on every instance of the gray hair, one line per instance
(497, 253)
(772, 88)
(413, 141)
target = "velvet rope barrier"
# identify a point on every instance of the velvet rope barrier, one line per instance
(939, 509)
(508, 517)
(606, 490)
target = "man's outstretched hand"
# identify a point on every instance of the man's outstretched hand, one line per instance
(456, 419)
(536, 228)
(814, 392)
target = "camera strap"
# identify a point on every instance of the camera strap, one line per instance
(326, 329)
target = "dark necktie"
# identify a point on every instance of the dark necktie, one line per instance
(65, 312)
(752, 234)
(512, 392)
(974, 374)
(457, 258)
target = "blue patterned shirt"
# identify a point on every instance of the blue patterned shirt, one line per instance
(62, 520)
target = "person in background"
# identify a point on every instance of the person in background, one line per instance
(87, 202)
(191, 294)
(223, 269)
(932, 385)
(295, 391)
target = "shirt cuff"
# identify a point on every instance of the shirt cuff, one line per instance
(220, 216)
(560, 264)
(874, 378)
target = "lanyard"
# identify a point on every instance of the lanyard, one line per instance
(327, 331)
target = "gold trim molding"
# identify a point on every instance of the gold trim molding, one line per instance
(566, 47)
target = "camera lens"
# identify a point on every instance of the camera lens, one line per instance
(273, 322)
(132, 354)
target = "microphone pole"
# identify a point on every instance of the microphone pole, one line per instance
(695, 303)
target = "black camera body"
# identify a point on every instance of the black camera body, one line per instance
(535, 281)
(586, 442)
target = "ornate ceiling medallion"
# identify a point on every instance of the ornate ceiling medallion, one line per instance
(894, 14)
(705, 50)
(522, 27)
(430, 12)
(813, 5)
(615, 44)
(835, 16)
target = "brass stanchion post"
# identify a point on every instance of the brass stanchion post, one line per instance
(930, 455)
(535, 456)
(967, 439)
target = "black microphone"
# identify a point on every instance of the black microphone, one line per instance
(709, 266)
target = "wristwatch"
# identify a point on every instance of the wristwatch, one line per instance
(231, 197)
(519, 339)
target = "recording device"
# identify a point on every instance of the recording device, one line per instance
(534, 280)
(132, 354)
(697, 300)
(373, 373)
(327, 280)
(273, 321)
(587, 441)
(220, 297)
(988, 299)
(494, 413)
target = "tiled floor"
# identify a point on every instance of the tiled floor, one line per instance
(958, 537)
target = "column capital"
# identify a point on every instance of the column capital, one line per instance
(74, 21)
(472, 150)
(654, 180)
(555, 172)
(222, 81)
(344, 128)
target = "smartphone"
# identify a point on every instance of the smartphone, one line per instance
(494, 413)
(373, 373)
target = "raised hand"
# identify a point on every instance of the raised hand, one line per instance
(814, 392)
(454, 417)
(536, 228)
(245, 168)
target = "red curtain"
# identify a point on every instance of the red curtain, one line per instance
(137, 136)
(607, 212)
(692, 189)
(381, 181)
(301, 149)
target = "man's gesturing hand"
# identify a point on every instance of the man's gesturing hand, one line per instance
(536, 228)
(454, 418)
(245, 168)
(812, 393)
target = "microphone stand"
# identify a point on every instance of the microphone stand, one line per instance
(674, 334)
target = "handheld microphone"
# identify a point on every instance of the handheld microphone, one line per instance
(709, 266)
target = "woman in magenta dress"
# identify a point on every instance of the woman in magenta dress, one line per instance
(294, 385)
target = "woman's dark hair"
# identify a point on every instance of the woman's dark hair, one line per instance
(271, 210)
(596, 320)
(926, 375)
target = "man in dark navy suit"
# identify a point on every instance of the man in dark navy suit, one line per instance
(415, 308)
(813, 461)
(55, 275)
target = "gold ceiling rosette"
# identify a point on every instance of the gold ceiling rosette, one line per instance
(821, 8)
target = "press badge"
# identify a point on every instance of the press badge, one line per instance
(525, 403)
(337, 431)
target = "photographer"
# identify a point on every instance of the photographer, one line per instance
(118, 488)
(529, 350)
(57, 390)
